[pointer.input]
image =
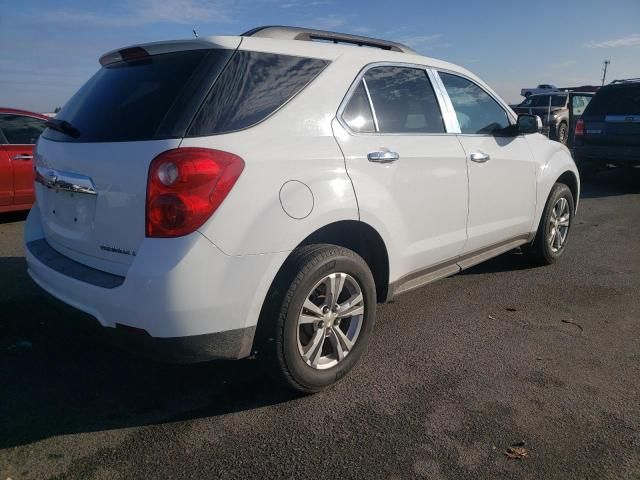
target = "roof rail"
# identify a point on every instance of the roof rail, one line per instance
(626, 80)
(309, 35)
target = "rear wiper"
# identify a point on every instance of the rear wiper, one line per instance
(63, 126)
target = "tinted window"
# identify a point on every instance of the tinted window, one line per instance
(621, 100)
(403, 100)
(252, 86)
(129, 101)
(21, 130)
(358, 112)
(543, 101)
(476, 110)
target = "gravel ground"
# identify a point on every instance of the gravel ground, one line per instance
(457, 372)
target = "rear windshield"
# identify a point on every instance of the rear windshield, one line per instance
(252, 87)
(622, 100)
(142, 100)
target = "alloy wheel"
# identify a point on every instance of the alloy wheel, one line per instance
(330, 321)
(558, 227)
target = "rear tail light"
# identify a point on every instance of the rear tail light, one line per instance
(185, 186)
(579, 128)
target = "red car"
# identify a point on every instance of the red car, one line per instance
(19, 131)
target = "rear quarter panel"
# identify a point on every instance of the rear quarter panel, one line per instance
(294, 144)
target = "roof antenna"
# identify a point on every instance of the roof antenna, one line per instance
(195, 34)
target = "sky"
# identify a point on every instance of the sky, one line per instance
(48, 49)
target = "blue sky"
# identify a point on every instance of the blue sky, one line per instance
(48, 49)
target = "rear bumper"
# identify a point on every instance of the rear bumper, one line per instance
(185, 299)
(232, 344)
(606, 154)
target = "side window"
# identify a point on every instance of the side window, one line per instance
(358, 113)
(252, 86)
(21, 130)
(477, 111)
(403, 100)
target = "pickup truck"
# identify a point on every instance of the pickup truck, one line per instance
(542, 88)
(558, 111)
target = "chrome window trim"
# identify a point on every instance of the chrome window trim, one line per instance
(449, 113)
(371, 105)
(507, 110)
(356, 82)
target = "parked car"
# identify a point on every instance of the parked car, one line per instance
(609, 131)
(558, 111)
(19, 131)
(542, 88)
(259, 194)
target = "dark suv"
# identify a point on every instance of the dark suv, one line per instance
(558, 111)
(609, 131)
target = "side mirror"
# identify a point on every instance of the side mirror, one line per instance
(529, 124)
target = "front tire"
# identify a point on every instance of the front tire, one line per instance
(554, 228)
(318, 318)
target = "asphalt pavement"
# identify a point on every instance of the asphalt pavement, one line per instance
(544, 360)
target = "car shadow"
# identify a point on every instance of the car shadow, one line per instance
(507, 262)
(612, 182)
(60, 376)
(12, 217)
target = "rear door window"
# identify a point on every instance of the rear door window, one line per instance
(403, 100)
(141, 100)
(358, 114)
(21, 129)
(252, 86)
(476, 110)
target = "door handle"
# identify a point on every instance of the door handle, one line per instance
(23, 156)
(479, 157)
(383, 157)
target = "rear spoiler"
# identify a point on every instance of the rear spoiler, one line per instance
(139, 52)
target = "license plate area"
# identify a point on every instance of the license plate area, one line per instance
(68, 215)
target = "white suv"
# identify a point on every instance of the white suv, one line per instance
(259, 194)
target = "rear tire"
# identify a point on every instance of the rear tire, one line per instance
(554, 228)
(562, 133)
(310, 337)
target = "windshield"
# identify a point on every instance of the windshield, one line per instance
(543, 101)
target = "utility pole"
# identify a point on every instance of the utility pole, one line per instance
(604, 73)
